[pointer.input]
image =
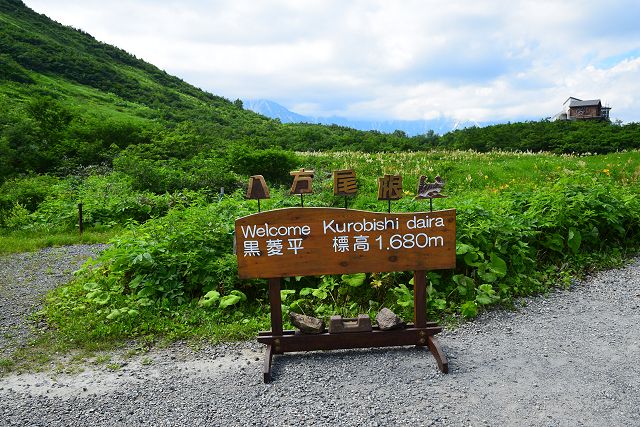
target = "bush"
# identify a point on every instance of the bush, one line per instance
(171, 260)
(28, 192)
(107, 200)
(201, 172)
(273, 163)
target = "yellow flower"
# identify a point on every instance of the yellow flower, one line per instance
(606, 171)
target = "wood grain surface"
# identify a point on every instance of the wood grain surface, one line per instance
(314, 241)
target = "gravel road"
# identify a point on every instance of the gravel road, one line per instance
(25, 279)
(567, 359)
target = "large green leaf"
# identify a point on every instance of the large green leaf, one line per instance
(498, 265)
(229, 300)
(354, 280)
(574, 240)
(469, 309)
(284, 294)
(209, 299)
(320, 293)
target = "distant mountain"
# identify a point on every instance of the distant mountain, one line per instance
(410, 127)
(275, 111)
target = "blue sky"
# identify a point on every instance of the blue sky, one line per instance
(375, 59)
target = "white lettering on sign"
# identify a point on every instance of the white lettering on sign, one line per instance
(361, 243)
(359, 226)
(410, 241)
(426, 222)
(341, 243)
(295, 245)
(251, 248)
(274, 247)
(272, 231)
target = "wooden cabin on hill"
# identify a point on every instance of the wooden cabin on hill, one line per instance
(577, 109)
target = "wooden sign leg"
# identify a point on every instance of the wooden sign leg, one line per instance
(266, 365)
(275, 304)
(419, 299)
(438, 354)
(420, 319)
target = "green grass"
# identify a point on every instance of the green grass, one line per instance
(29, 241)
(466, 171)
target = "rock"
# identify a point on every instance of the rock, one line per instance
(307, 324)
(387, 319)
(338, 325)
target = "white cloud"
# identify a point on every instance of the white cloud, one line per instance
(488, 60)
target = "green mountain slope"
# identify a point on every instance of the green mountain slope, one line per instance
(31, 42)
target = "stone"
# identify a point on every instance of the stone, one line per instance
(307, 324)
(338, 325)
(387, 320)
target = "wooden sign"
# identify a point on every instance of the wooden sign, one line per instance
(390, 187)
(314, 241)
(302, 181)
(344, 182)
(430, 190)
(257, 188)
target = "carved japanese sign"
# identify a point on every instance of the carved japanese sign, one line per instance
(344, 182)
(390, 187)
(314, 241)
(430, 190)
(302, 180)
(257, 188)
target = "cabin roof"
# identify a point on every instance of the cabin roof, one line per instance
(579, 103)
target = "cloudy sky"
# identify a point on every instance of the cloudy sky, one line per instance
(375, 59)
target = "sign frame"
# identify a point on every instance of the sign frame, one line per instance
(403, 244)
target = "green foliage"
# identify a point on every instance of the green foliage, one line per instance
(209, 299)
(201, 172)
(469, 309)
(512, 240)
(354, 280)
(170, 261)
(28, 192)
(272, 163)
(557, 137)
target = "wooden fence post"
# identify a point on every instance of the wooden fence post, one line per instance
(80, 221)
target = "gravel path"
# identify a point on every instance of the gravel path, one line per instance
(568, 359)
(25, 279)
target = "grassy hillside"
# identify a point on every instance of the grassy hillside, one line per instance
(32, 43)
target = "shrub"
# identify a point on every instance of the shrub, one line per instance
(201, 172)
(28, 192)
(170, 260)
(272, 163)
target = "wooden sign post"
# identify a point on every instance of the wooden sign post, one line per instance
(315, 241)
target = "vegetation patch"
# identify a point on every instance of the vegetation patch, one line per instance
(175, 276)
